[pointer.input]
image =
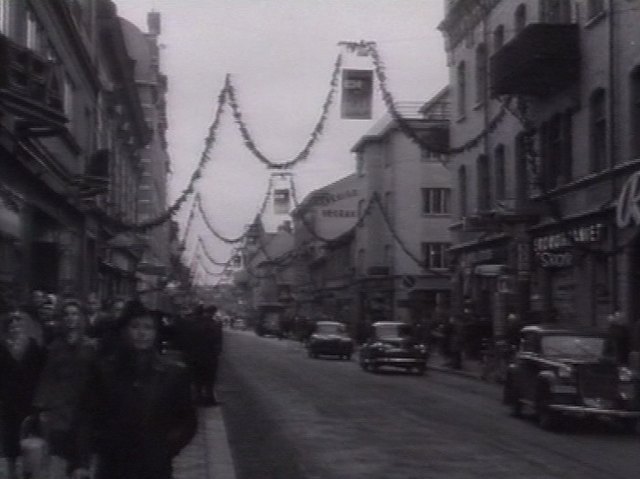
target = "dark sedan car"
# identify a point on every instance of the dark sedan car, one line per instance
(558, 372)
(329, 338)
(392, 344)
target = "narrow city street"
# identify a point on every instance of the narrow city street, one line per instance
(289, 417)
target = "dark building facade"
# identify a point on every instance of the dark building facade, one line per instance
(544, 221)
(72, 133)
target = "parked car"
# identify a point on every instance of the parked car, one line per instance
(392, 344)
(329, 338)
(560, 372)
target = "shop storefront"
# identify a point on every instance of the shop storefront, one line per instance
(572, 282)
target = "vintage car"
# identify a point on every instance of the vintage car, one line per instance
(329, 338)
(392, 344)
(559, 372)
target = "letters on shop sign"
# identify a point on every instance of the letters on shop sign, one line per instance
(339, 213)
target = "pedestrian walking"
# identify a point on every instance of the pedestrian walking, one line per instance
(137, 412)
(618, 344)
(456, 342)
(49, 318)
(21, 360)
(202, 344)
(70, 358)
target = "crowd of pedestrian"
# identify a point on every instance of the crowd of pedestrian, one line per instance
(88, 378)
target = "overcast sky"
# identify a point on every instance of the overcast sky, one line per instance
(280, 55)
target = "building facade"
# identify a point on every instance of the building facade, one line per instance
(545, 101)
(401, 265)
(73, 132)
(152, 87)
(324, 228)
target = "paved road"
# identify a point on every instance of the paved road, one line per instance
(290, 417)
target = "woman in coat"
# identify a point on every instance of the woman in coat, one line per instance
(70, 359)
(21, 361)
(138, 411)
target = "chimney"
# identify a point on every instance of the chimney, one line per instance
(153, 23)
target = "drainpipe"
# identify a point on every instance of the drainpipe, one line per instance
(612, 152)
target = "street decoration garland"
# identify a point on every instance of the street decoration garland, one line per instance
(192, 213)
(403, 124)
(313, 138)
(208, 255)
(195, 176)
(374, 200)
(401, 243)
(533, 158)
(240, 238)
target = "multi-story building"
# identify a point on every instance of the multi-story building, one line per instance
(267, 276)
(72, 149)
(152, 88)
(48, 93)
(545, 130)
(401, 266)
(324, 228)
(122, 136)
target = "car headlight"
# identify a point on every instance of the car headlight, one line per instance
(625, 374)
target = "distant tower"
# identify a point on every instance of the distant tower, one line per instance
(280, 201)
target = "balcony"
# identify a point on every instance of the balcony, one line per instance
(542, 60)
(27, 82)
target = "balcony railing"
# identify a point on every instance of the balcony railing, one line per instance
(540, 61)
(28, 79)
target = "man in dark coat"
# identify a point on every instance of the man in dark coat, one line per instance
(202, 344)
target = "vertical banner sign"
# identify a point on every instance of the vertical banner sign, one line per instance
(357, 94)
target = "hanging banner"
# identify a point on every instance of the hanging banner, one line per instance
(357, 94)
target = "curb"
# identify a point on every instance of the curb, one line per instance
(219, 460)
(456, 372)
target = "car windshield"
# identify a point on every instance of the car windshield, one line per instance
(330, 328)
(392, 331)
(584, 347)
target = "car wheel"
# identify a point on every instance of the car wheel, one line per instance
(420, 370)
(547, 418)
(511, 397)
(348, 357)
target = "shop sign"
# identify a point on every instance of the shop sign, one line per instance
(628, 205)
(357, 94)
(593, 233)
(548, 259)
(340, 213)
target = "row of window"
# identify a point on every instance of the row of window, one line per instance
(555, 138)
(434, 256)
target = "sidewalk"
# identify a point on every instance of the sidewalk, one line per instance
(208, 456)
(471, 368)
